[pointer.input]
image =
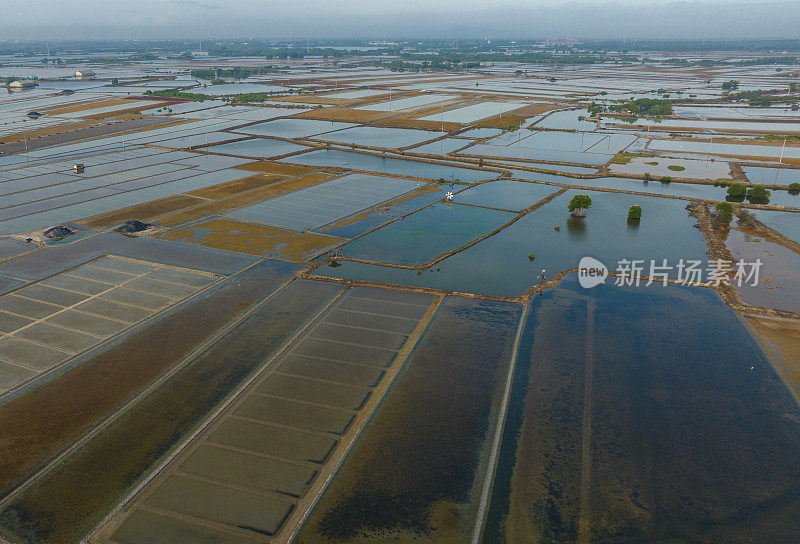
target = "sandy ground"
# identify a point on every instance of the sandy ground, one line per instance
(780, 340)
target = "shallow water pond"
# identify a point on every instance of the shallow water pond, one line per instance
(501, 265)
(416, 473)
(787, 223)
(389, 165)
(257, 148)
(425, 234)
(615, 435)
(505, 193)
(779, 279)
(772, 176)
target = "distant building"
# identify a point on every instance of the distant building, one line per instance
(199, 53)
(23, 84)
(85, 74)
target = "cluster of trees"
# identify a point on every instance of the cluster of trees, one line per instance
(730, 85)
(761, 97)
(175, 93)
(642, 107)
(755, 195)
(634, 213)
(459, 59)
(397, 65)
(578, 204)
(794, 188)
(724, 212)
(232, 73)
(662, 179)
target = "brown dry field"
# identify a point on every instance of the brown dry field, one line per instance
(254, 239)
(37, 425)
(88, 106)
(241, 199)
(276, 168)
(128, 111)
(142, 211)
(230, 188)
(49, 131)
(175, 203)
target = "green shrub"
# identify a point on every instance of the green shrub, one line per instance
(725, 212)
(758, 195)
(665, 179)
(794, 188)
(634, 213)
(647, 176)
(730, 85)
(579, 202)
(736, 192)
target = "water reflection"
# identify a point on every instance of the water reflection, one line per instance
(576, 228)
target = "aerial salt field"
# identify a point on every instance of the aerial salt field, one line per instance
(344, 299)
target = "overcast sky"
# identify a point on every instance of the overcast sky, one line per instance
(399, 19)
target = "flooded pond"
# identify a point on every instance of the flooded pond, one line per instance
(407, 103)
(779, 278)
(620, 437)
(501, 265)
(425, 234)
(380, 136)
(257, 148)
(739, 150)
(505, 194)
(367, 220)
(442, 147)
(772, 176)
(389, 165)
(688, 190)
(293, 128)
(413, 478)
(240, 88)
(787, 223)
(568, 120)
(474, 112)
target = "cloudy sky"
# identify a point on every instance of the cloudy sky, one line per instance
(143, 19)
